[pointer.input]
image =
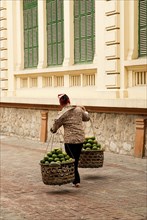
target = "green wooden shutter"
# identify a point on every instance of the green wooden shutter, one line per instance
(142, 28)
(84, 31)
(55, 32)
(30, 14)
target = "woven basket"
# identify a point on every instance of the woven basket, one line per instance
(91, 159)
(57, 175)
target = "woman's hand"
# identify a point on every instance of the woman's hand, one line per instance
(82, 107)
(51, 130)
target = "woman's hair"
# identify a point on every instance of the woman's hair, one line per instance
(63, 99)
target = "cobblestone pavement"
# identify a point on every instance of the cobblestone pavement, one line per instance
(115, 191)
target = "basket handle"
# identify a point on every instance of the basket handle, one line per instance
(51, 139)
(93, 130)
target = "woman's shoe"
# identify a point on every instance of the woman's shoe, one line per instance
(76, 184)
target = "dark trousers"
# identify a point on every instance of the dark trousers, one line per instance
(74, 151)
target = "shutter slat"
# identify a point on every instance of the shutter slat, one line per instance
(77, 52)
(89, 49)
(54, 11)
(54, 54)
(35, 56)
(83, 48)
(76, 27)
(83, 7)
(26, 39)
(143, 41)
(30, 58)
(59, 32)
(30, 33)
(85, 17)
(55, 38)
(142, 27)
(35, 33)
(59, 53)
(83, 26)
(89, 25)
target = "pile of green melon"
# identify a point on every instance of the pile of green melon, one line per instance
(91, 143)
(56, 157)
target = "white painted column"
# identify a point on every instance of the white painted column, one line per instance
(99, 58)
(11, 31)
(19, 36)
(133, 30)
(68, 32)
(42, 35)
(124, 13)
(95, 61)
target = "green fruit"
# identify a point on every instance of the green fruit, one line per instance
(46, 162)
(50, 159)
(58, 162)
(67, 157)
(90, 141)
(42, 161)
(88, 148)
(59, 151)
(46, 158)
(85, 146)
(98, 145)
(54, 163)
(54, 155)
(60, 155)
(70, 159)
(94, 148)
(88, 145)
(62, 159)
(56, 159)
(49, 154)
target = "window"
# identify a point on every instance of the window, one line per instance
(58, 81)
(84, 30)
(47, 81)
(33, 82)
(55, 32)
(75, 80)
(30, 15)
(89, 79)
(24, 82)
(142, 27)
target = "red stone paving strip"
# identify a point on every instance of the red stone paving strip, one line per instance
(112, 192)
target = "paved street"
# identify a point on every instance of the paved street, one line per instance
(115, 191)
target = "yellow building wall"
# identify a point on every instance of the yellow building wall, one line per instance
(117, 77)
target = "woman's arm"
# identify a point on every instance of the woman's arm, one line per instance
(57, 124)
(85, 114)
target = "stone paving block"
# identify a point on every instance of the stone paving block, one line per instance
(115, 191)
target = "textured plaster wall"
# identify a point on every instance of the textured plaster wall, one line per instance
(20, 122)
(115, 132)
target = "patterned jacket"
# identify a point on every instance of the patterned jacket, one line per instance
(71, 118)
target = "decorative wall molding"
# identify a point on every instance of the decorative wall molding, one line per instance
(135, 111)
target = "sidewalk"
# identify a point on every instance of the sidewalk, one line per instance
(115, 191)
